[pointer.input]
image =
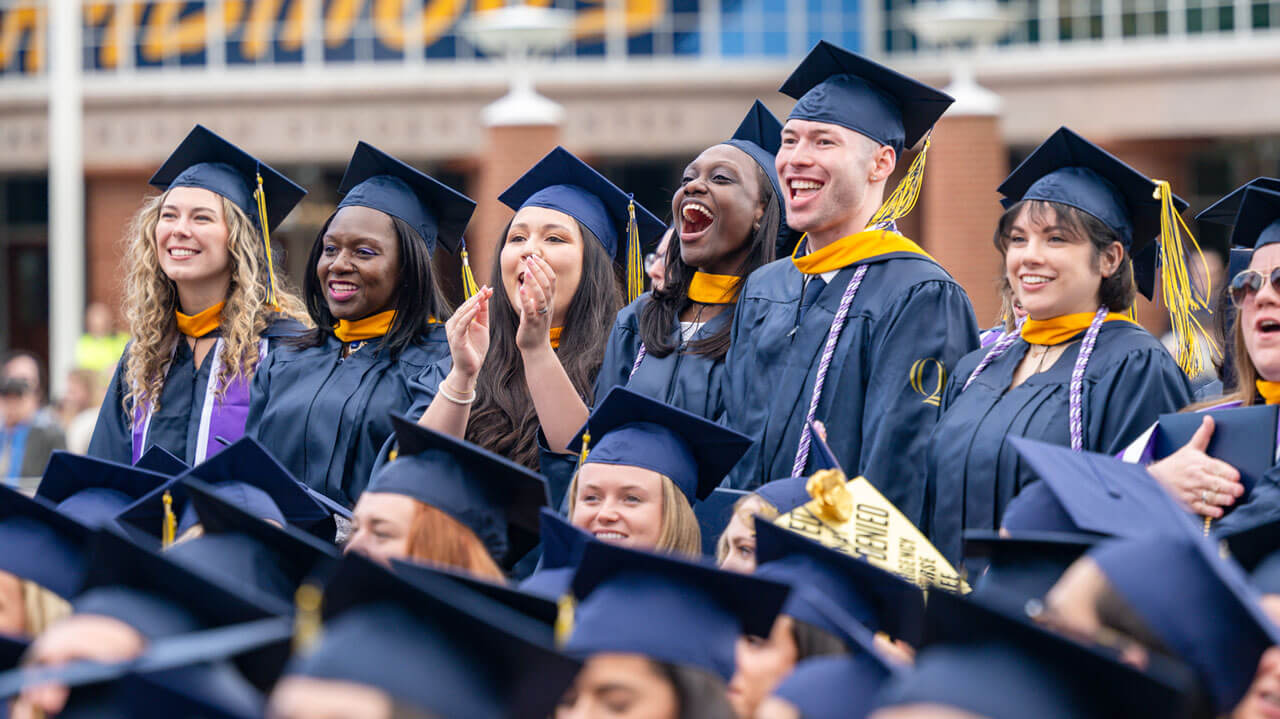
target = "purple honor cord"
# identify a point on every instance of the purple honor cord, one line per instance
(639, 358)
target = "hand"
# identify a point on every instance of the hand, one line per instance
(537, 295)
(79, 637)
(1203, 484)
(468, 332)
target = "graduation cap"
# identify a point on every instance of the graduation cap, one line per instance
(1224, 211)
(1198, 603)
(530, 605)
(244, 474)
(714, 515)
(562, 182)
(379, 181)
(1098, 494)
(1258, 220)
(841, 686)
(667, 609)
(1004, 666)
(433, 643)
(879, 600)
(41, 544)
(562, 548)
(489, 494)
(1243, 437)
(838, 87)
(1022, 568)
(93, 491)
(628, 428)
(785, 494)
(161, 461)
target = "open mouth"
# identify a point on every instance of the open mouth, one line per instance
(1035, 280)
(182, 253)
(1268, 326)
(610, 536)
(802, 189)
(697, 218)
(340, 290)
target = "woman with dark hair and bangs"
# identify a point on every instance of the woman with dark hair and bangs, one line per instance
(1076, 372)
(323, 405)
(557, 291)
(670, 344)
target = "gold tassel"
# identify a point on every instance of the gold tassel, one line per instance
(1180, 297)
(261, 195)
(1132, 312)
(169, 525)
(586, 442)
(469, 286)
(306, 620)
(903, 198)
(635, 265)
(564, 619)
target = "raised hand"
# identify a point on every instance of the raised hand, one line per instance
(468, 332)
(1203, 484)
(537, 295)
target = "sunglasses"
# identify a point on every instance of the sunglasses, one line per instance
(1249, 282)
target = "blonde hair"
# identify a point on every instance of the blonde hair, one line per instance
(435, 537)
(1245, 390)
(151, 298)
(42, 606)
(743, 511)
(679, 533)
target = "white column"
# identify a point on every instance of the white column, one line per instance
(66, 189)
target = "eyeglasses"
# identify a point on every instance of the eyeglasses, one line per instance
(650, 260)
(1249, 282)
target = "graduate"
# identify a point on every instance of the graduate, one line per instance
(644, 465)
(203, 303)
(555, 286)
(860, 327)
(736, 547)
(1079, 374)
(670, 343)
(445, 501)
(323, 404)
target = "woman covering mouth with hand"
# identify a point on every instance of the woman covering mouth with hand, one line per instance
(203, 305)
(323, 406)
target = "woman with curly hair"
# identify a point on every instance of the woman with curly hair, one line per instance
(202, 302)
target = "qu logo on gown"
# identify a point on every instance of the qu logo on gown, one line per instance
(853, 517)
(923, 385)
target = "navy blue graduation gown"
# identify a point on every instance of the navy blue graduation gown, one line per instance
(973, 473)
(177, 423)
(907, 327)
(689, 381)
(326, 418)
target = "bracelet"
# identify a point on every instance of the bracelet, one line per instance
(443, 392)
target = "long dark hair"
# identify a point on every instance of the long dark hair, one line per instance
(658, 316)
(503, 420)
(417, 298)
(701, 695)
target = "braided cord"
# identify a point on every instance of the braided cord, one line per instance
(1076, 395)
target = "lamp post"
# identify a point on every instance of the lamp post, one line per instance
(953, 25)
(518, 34)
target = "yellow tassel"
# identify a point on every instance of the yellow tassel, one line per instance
(169, 526)
(469, 286)
(261, 196)
(586, 442)
(903, 198)
(1180, 297)
(564, 619)
(306, 620)
(635, 265)
(1132, 312)
(1207, 521)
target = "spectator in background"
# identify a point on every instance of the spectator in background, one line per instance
(27, 367)
(79, 405)
(25, 441)
(655, 263)
(101, 345)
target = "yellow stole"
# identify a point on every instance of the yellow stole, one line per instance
(555, 337)
(1270, 391)
(708, 289)
(365, 329)
(1057, 330)
(854, 249)
(201, 323)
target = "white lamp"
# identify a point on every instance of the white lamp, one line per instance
(518, 33)
(953, 24)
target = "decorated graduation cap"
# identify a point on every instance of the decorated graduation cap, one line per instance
(834, 86)
(244, 474)
(1257, 222)
(880, 601)
(161, 461)
(840, 686)
(630, 429)
(205, 160)
(379, 181)
(482, 658)
(93, 491)
(562, 548)
(562, 182)
(1069, 170)
(41, 544)
(668, 609)
(492, 496)
(1224, 211)
(1174, 584)
(1023, 568)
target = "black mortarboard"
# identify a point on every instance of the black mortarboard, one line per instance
(881, 601)
(714, 514)
(93, 491)
(838, 87)
(207, 161)
(628, 428)
(436, 645)
(1258, 220)
(1224, 211)
(667, 609)
(379, 181)
(489, 494)
(562, 548)
(41, 544)
(1243, 437)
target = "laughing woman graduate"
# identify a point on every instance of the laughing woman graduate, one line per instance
(202, 302)
(1078, 373)
(323, 406)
